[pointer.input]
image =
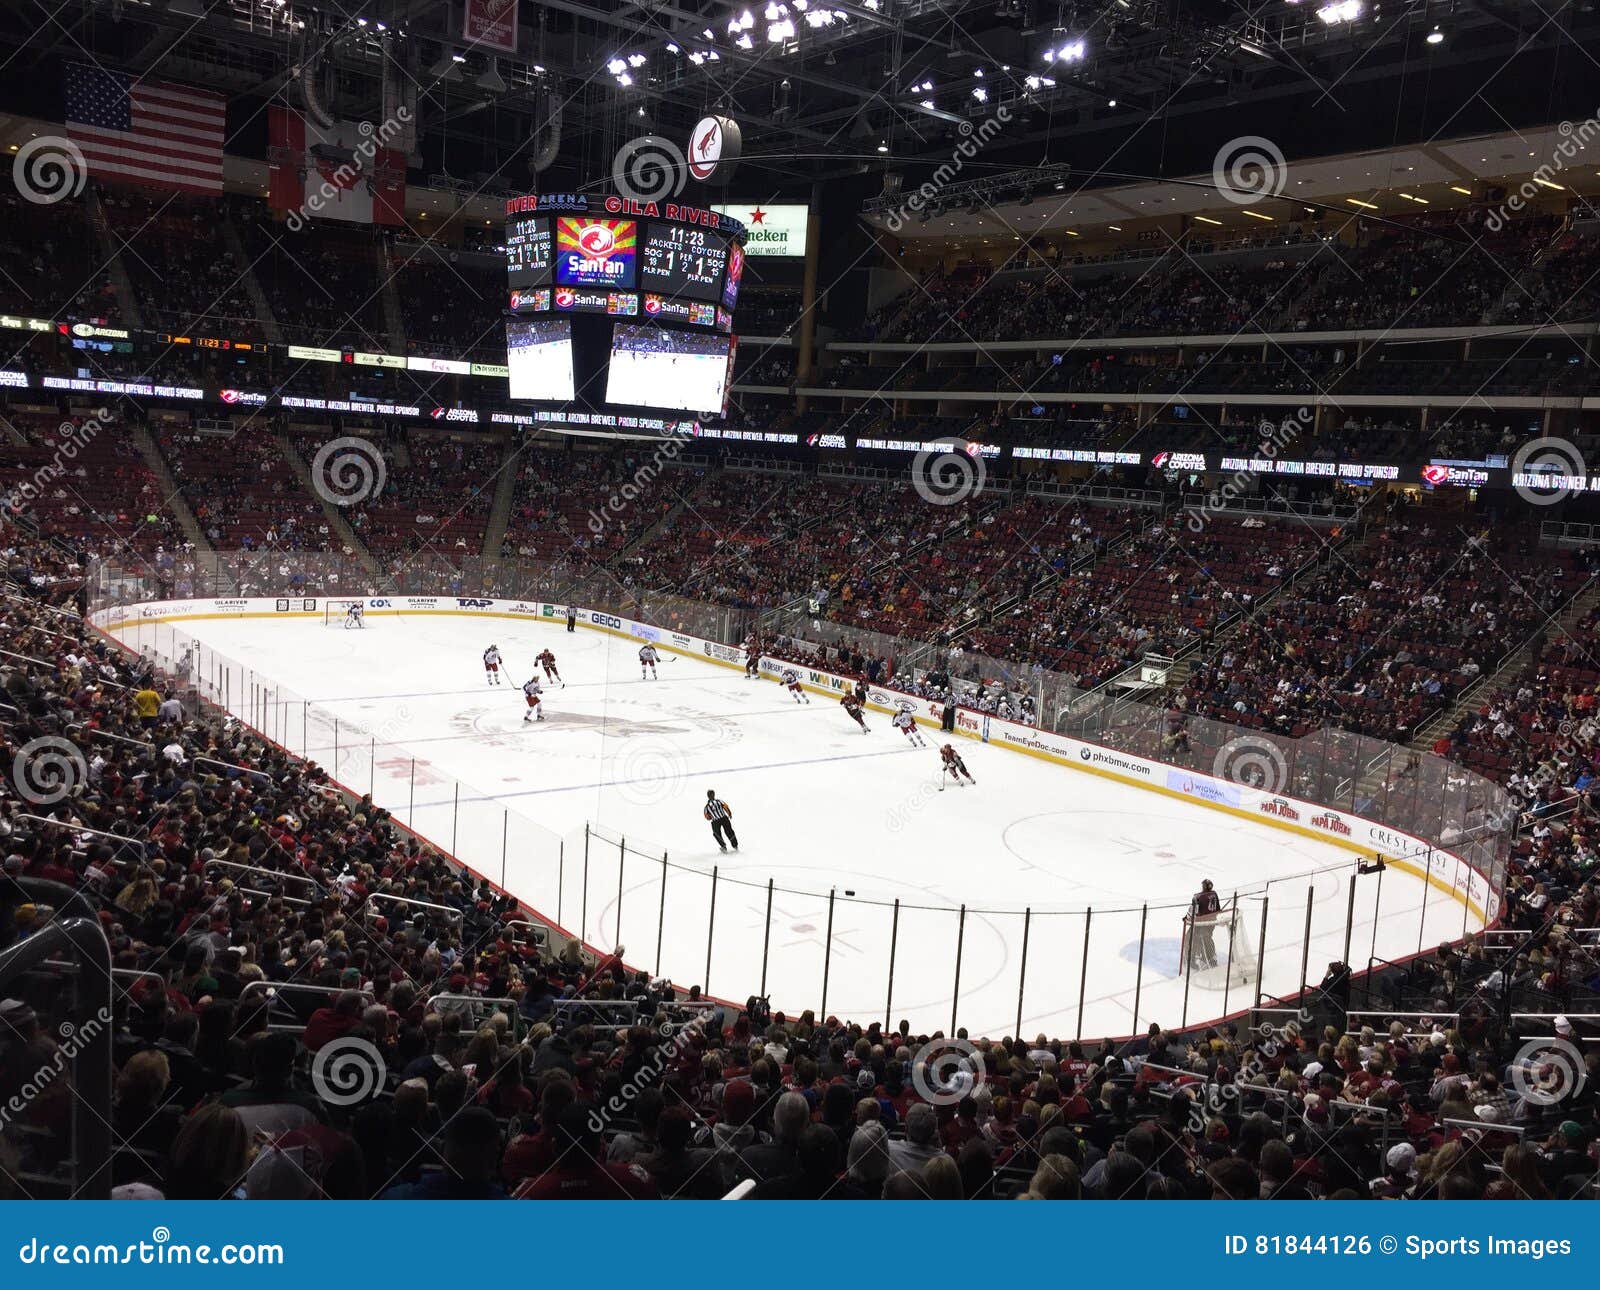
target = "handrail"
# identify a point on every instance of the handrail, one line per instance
(39, 604)
(81, 828)
(278, 874)
(94, 733)
(91, 1076)
(420, 904)
(39, 662)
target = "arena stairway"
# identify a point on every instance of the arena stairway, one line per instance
(175, 500)
(505, 493)
(394, 318)
(251, 284)
(1511, 667)
(336, 519)
(111, 249)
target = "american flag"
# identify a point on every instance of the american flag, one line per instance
(146, 132)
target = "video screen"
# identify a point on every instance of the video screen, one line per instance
(539, 355)
(595, 252)
(654, 368)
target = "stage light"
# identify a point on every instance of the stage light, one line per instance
(616, 67)
(1339, 11)
(1435, 37)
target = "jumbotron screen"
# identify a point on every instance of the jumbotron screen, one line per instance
(661, 367)
(647, 264)
(643, 295)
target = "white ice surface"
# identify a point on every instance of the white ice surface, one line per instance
(402, 709)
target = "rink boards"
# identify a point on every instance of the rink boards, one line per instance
(1443, 870)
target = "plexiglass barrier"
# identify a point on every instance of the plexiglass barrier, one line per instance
(1062, 972)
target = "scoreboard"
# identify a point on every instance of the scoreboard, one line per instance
(621, 307)
(682, 261)
(573, 254)
(529, 248)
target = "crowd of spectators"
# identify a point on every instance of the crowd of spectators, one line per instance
(504, 1061)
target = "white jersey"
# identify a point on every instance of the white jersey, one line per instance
(491, 657)
(903, 721)
(647, 654)
(790, 676)
(354, 610)
(533, 689)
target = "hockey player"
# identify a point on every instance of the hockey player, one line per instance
(851, 703)
(1204, 908)
(953, 766)
(355, 615)
(752, 658)
(647, 662)
(547, 660)
(906, 724)
(491, 665)
(532, 690)
(791, 680)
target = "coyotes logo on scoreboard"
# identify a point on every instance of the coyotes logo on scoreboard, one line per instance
(595, 252)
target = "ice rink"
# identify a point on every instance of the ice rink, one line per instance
(402, 709)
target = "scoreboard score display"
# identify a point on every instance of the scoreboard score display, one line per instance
(648, 288)
(682, 261)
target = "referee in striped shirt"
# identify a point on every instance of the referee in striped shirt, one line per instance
(721, 816)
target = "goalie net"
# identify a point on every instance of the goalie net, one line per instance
(333, 612)
(1219, 949)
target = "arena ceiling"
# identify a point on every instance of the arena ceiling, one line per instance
(865, 91)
